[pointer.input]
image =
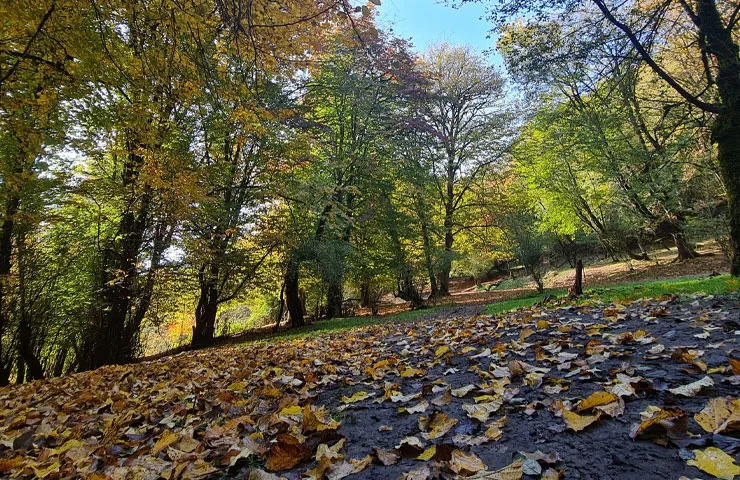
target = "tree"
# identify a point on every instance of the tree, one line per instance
(467, 133)
(715, 26)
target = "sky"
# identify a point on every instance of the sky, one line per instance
(429, 21)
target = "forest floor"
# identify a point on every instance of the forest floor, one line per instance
(599, 390)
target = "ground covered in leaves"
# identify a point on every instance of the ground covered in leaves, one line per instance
(647, 389)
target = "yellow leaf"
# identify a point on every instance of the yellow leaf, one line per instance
(167, 439)
(578, 422)
(482, 411)
(412, 372)
(439, 424)
(510, 472)
(441, 351)
(720, 414)
(428, 454)
(357, 397)
(288, 411)
(596, 399)
(715, 462)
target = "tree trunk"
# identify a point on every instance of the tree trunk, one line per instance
(685, 250)
(281, 308)
(444, 272)
(428, 261)
(334, 298)
(577, 288)
(6, 251)
(25, 349)
(207, 308)
(20, 376)
(364, 295)
(114, 342)
(292, 295)
(726, 129)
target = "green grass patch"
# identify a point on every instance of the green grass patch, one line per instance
(618, 293)
(349, 323)
(719, 285)
(526, 300)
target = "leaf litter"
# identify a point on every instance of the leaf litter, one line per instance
(646, 389)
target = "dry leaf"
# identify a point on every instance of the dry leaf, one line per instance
(691, 389)
(481, 411)
(357, 397)
(578, 422)
(465, 464)
(510, 472)
(715, 462)
(286, 453)
(719, 415)
(596, 399)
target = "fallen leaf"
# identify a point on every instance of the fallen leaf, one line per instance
(715, 462)
(578, 422)
(719, 415)
(439, 424)
(657, 421)
(286, 453)
(691, 389)
(510, 472)
(596, 399)
(386, 457)
(357, 397)
(465, 464)
(481, 411)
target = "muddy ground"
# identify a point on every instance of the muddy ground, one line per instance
(602, 451)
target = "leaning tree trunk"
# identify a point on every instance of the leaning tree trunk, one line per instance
(685, 250)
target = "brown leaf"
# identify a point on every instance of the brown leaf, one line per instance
(286, 453)
(386, 457)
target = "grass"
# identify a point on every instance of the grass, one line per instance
(628, 292)
(618, 293)
(526, 300)
(719, 285)
(349, 323)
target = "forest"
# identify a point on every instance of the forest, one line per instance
(173, 171)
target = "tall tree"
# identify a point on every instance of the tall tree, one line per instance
(714, 25)
(467, 133)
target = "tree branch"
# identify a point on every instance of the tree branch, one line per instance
(647, 58)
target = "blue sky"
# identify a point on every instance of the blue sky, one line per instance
(429, 21)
